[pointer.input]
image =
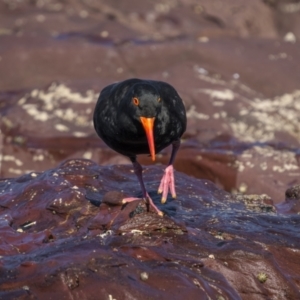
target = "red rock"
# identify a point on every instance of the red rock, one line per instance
(209, 244)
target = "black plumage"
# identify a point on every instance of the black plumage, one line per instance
(132, 114)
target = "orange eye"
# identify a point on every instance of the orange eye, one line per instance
(135, 101)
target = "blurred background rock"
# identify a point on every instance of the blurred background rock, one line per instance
(235, 64)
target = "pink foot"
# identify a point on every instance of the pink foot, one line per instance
(148, 199)
(167, 182)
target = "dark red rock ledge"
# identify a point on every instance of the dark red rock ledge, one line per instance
(63, 236)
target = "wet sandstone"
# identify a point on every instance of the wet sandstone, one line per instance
(62, 235)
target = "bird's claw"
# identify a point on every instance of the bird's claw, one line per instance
(167, 182)
(148, 200)
(151, 203)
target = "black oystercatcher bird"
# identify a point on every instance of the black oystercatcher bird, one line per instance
(138, 117)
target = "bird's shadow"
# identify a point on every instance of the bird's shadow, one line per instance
(94, 197)
(168, 208)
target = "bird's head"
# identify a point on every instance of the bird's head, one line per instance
(145, 103)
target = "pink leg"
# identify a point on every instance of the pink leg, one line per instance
(167, 182)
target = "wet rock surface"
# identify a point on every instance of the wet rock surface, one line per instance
(232, 232)
(62, 234)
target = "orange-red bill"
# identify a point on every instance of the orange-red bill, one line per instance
(148, 124)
